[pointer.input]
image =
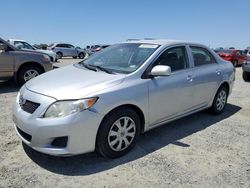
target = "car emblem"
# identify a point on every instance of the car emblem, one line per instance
(22, 101)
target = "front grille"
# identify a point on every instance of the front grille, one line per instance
(28, 106)
(24, 134)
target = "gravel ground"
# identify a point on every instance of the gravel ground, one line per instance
(200, 150)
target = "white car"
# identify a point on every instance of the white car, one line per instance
(106, 101)
(23, 45)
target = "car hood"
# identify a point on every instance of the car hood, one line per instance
(72, 82)
(49, 52)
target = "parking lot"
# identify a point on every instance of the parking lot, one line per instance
(200, 150)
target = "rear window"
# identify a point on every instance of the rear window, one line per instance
(201, 56)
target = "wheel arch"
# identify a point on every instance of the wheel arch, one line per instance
(31, 63)
(131, 106)
(224, 84)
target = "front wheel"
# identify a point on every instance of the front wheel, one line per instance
(220, 101)
(118, 133)
(27, 73)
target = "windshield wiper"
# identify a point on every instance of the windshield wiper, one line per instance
(95, 68)
(89, 67)
(104, 69)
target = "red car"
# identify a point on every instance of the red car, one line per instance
(237, 57)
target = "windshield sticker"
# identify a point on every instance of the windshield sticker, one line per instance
(148, 46)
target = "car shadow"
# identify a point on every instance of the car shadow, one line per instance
(149, 142)
(8, 87)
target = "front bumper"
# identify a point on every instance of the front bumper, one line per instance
(80, 128)
(47, 66)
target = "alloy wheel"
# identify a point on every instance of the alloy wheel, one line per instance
(30, 74)
(221, 100)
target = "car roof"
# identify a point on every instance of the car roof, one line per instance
(165, 42)
(16, 40)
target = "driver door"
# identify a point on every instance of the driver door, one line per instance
(171, 96)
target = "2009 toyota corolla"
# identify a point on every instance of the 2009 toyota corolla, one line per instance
(106, 101)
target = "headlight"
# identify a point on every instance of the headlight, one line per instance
(65, 108)
(46, 58)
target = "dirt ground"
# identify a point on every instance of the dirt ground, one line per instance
(200, 150)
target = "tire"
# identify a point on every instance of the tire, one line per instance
(74, 57)
(246, 76)
(81, 55)
(235, 63)
(113, 142)
(59, 55)
(28, 72)
(220, 101)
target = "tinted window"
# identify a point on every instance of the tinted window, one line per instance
(238, 53)
(175, 57)
(60, 45)
(70, 46)
(201, 56)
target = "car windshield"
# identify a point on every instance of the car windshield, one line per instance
(121, 58)
(23, 45)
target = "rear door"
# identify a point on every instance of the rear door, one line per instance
(206, 76)
(6, 63)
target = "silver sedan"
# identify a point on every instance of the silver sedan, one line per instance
(105, 102)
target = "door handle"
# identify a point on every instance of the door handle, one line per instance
(190, 78)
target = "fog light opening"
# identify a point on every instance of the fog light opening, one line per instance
(60, 142)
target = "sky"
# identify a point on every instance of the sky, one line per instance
(215, 23)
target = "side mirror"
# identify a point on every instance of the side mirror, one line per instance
(161, 70)
(3, 47)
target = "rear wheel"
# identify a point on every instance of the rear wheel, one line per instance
(81, 55)
(220, 101)
(74, 57)
(246, 76)
(28, 72)
(118, 133)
